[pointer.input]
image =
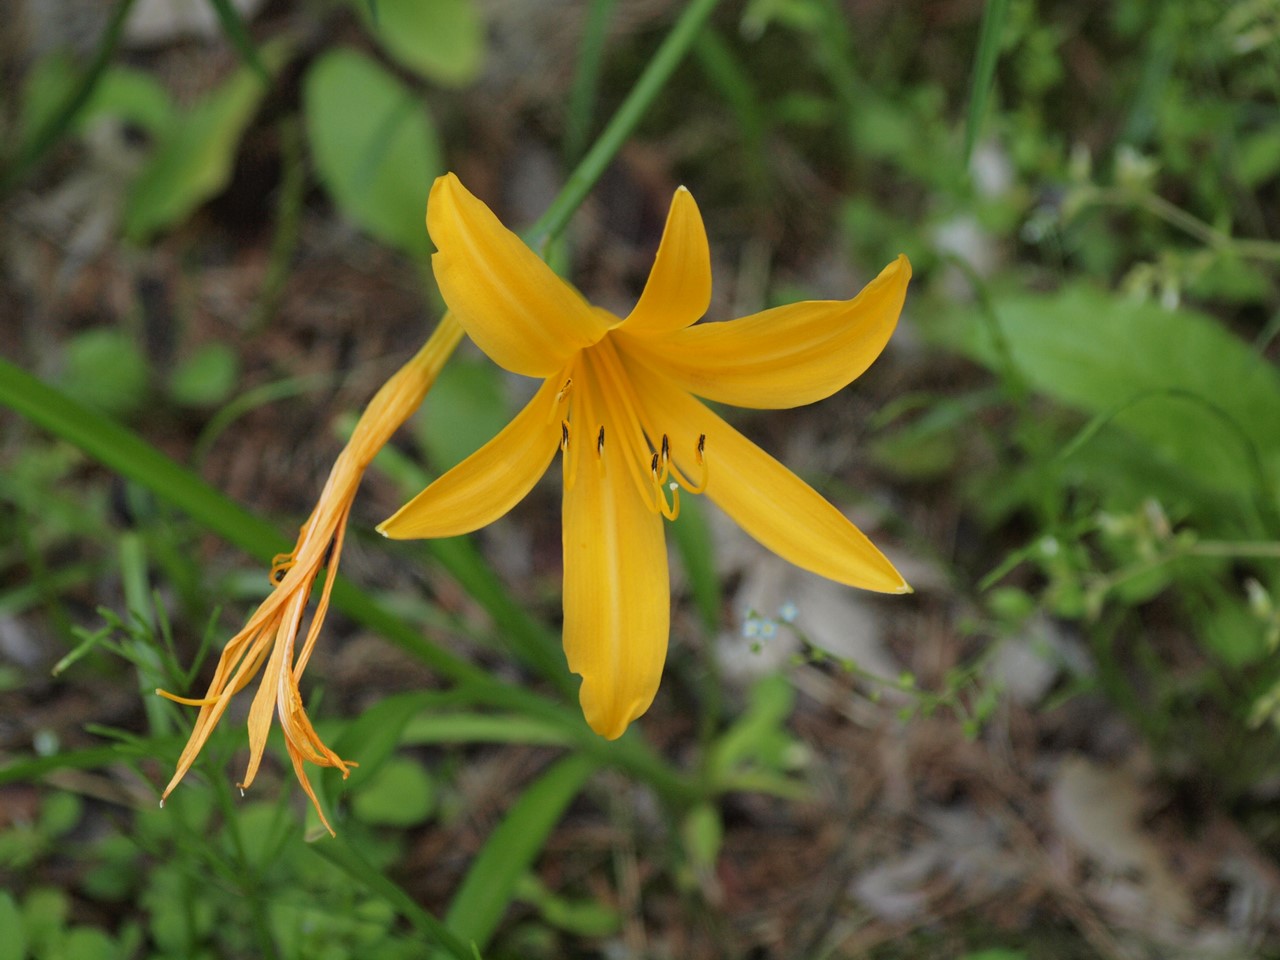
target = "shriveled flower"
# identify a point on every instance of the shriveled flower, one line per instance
(271, 634)
(618, 402)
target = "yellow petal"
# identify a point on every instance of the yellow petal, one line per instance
(617, 596)
(787, 356)
(509, 302)
(678, 291)
(489, 482)
(765, 498)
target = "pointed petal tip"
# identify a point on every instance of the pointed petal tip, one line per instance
(614, 725)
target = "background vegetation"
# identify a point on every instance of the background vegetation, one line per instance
(1063, 745)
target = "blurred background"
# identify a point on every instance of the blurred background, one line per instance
(1063, 745)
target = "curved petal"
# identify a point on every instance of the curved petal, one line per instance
(678, 291)
(765, 498)
(617, 597)
(510, 302)
(489, 482)
(787, 356)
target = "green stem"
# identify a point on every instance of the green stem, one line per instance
(1238, 550)
(1188, 223)
(1205, 549)
(584, 177)
(348, 858)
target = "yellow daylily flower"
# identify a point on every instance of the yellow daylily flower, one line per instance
(618, 400)
(270, 635)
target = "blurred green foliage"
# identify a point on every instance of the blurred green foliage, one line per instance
(1087, 197)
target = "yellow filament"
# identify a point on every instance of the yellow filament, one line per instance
(669, 510)
(562, 398)
(629, 414)
(281, 564)
(624, 426)
(699, 457)
(188, 701)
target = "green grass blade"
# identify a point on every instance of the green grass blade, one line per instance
(30, 769)
(586, 80)
(37, 142)
(437, 728)
(693, 539)
(129, 455)
(510, 850)
(538, 646)
(132, 457)
(125, 452)
(348, 859)
(984, 70)
(234, 27)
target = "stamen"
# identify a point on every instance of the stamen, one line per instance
(663, 459)
(699, 456)
(188, 701)
(568, 457)
(600, 442)
(280, 566)
(669, 510)
(564, 391)
(653, 469)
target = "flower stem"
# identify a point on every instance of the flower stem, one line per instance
(1193, 226)
(606, 147)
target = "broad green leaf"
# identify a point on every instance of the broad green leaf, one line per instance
(196, 155)
(13, 945)
(400, 794)
(374, 146)
(207, 377)
(60, 812)
(1199, 397)
(491, 883)
(44, 917)
(87, 943)
(104, 368)
(442, 40)
(130, 95)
